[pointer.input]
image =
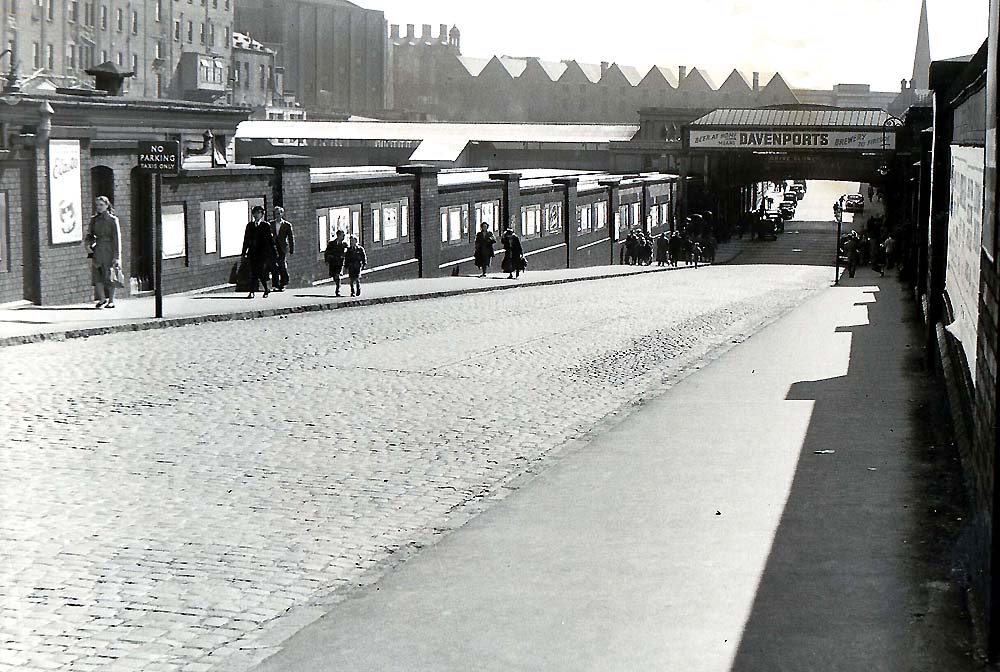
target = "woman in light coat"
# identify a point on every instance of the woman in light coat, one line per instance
(105, 240)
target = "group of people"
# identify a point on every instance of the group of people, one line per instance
(266, 246)
(514, 261)
(349, 255)
(670, 248)
(869, 249)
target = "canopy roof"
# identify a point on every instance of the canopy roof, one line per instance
(794, 118)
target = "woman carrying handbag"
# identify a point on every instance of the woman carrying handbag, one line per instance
(105, 242)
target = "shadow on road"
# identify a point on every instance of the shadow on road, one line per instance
(860, 574)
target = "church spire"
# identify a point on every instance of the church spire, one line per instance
(922, 57)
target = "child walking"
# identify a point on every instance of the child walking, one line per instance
(355, 261)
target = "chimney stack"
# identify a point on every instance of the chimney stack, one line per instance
(682, 72)
(443, 37)
(410, 34)
(902, 85)
(756, 82)
(394, 31)
(425, 32)
(604, 66)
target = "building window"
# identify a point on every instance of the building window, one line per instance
(135, 63)
(71, 56)
(531, 220)
(246, 75)
(120, 19)
(211, 34)
(263, 77)
(177, 31)
(552, 218)
(600, 215)
(346, 218)
(390, 221)
(228, 38)
(159, 49)
(455, 224)
(88, 13)
(201, 34)
(121, 61)
(36, 53)
(159, 10)
(50, 57)
(71, 10)
(51, 13)
(135, 22)
(159, 85)
(584, 219)
(488, 212)
(190, 32)
(104, 17)
(104, 56)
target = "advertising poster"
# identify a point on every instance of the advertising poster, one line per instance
(965, 232)
(65, 199)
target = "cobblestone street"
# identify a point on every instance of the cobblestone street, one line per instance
(186, 499)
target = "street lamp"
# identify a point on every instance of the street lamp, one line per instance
(10, 86)
(890, 122)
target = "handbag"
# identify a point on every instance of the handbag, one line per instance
(117, 276)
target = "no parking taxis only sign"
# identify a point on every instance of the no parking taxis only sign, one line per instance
(160, 157)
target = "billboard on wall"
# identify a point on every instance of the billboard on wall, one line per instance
(65, 199)
(965, 231)
(787, 139)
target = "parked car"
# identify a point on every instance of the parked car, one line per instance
(786, 210)
(854, 203)
(799, 191)
(767, 227)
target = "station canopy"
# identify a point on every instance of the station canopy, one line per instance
(433, 141)
(778, 130)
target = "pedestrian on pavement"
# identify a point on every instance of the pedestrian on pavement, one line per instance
(890, 251)
(662, 245)
(334, 255)
(355, 260)
(259, 250)
(284, 241)
(852, 253)
(105, 244)
(513, 255)
(631, 247)
(484, 248)
(871, 193)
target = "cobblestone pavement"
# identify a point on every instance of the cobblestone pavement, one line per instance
(186, 499)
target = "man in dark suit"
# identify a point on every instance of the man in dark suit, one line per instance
(285, 242)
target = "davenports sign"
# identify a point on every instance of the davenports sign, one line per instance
(774, 139)
(160, 157)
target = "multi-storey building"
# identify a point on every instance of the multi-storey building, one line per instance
(176, 48)
(335, 54)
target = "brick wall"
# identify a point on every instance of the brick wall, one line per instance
(456, 257)
(594, 248)
(12, 254)
(192, 189)
(386, 261)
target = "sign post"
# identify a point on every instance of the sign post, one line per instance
(158, 158)
(838, 212)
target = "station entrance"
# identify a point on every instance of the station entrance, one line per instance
(742, 156)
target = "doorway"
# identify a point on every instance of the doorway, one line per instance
(142, 229)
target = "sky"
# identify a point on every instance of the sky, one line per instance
(813, 43)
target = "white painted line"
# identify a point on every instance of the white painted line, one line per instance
(599, 242)
(456, 263)
(546, 249)
(367, 271)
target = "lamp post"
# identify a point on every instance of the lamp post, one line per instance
(890, 122)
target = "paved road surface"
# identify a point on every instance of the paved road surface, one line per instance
(189, 498)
